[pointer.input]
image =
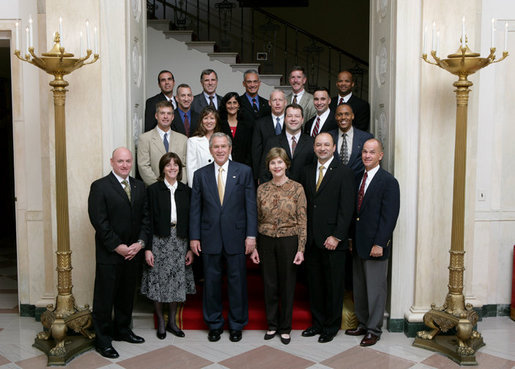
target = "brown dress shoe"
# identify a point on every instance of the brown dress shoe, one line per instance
(360, 331)
(369, 340)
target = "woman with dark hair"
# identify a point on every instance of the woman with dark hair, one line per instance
(197, 149)
(282, 228)
(234, 125)
(168, 276)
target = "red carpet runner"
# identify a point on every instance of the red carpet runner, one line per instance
(191, 313)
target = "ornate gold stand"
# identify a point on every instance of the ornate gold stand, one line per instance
(53, 340)
(454, 314)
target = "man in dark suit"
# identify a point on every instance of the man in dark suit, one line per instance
(166, 82)
(361, 108)
(298, 146)
(208, 96)
(223, 226)
(349, 140)
(329, 187)
(266, 127)
(118, 210)
(253, 106)
(185, 120)
(377, 209)
(323, 121)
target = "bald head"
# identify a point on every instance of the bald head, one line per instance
(121, 162)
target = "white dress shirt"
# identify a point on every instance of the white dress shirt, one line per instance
(120, 179)
(215, 101)
(370, 175)
(173, 207)
(289, 138)
(350, 137)
(224, 172)
(323, 118)
(326, 165)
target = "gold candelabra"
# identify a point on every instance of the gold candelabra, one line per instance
(456, 318)
(54, 340)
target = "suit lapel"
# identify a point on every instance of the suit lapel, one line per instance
(311, 179)
(157, 143)
(232, 177)
(375, 183)
(329, 173)
(211, 181)
(284, 144)
(119, 188)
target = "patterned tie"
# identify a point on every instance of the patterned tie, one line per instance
(293, 145)
(127, 188)
(278, 128)
(211, 103)
(320, 176)
(165, 142)
(344, 151)
(254, 105)
(317, 127)
(295, 99)
(341, 101)
(221, 186)
(361, 192)
(187, 125)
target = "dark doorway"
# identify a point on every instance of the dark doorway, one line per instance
(8, 265)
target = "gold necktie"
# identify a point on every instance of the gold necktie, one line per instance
(221, 186)
(320, 176)
(127, 188)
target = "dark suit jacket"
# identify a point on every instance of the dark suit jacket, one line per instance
(200, 102)
(329, 124)
(355, 162)
(302, 156)
(330, 208)
(223, 228)
(264, 128)
(160, 209)
(116, 219)
(361, 109)
(178, 123)
(241, 142)
(150, 110)
(376, 220)
(248, 111)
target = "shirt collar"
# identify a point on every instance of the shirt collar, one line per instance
(120, 179)
(170, 187)
(326, 164)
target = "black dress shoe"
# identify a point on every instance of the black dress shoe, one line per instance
(369, 340)
(285, 340)
(270, 336)
(129, 337)
(214, 334)
(310, 332)
(360, 331)
(176, 332)
(324, 338)
(161, 336)
(108, 352)
(235, 335)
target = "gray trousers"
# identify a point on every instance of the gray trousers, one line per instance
(370, 289)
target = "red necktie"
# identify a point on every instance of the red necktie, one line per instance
(187, 125)
(361, 192)
(341, 101)
(317, 127)
(293, 145)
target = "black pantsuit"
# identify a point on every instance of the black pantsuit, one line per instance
(279, 277)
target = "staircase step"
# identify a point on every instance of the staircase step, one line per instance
(228, 58)
(202, 46)
(243, 67)
(184, 36)
(271, 79)
(159, 24)
(286, 88)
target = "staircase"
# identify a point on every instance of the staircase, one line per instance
(185, 58)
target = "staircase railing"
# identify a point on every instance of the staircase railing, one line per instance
(259, 36)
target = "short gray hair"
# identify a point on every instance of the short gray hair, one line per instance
(220, 134)
(250, 71)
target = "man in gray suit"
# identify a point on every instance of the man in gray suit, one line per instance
(152, 145)
(208, 96)
(299, 95)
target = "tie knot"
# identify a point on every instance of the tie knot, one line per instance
(293, 139)
(125, 183)
(322, 167)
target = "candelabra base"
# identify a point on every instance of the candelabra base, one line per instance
(461, 346)
(54, 341)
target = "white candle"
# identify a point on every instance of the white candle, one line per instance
(27, 35)
(61, 36)
(434, 37)
(88, 37)
(437, 42)
(424, 41)
(463, 31)
(17, 36)
(31, 44)
(493, 33)
(506, 36)
(95, 40)
(80, 47)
